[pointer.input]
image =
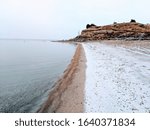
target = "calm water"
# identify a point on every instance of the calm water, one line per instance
(28, 69)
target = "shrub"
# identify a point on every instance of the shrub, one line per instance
(90, 25)
(133, 21)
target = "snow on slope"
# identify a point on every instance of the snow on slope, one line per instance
(117, 79)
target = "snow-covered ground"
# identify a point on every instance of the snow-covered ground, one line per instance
(117, 78)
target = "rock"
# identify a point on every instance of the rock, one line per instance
(126, 31)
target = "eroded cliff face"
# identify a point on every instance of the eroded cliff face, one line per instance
(116, 31)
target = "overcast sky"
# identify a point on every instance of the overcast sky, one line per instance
(64, 19)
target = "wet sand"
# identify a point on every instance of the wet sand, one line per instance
(67, 95)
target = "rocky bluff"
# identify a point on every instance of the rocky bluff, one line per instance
(117, 31)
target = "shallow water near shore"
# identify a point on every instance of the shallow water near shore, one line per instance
(28, 70)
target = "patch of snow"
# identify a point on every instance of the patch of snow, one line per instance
(117, 80)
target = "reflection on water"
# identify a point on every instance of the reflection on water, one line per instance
(28, 69)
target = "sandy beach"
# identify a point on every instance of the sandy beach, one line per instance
(104, 75)
(68, 93)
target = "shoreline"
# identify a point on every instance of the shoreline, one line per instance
(67, 95)
(73, 94)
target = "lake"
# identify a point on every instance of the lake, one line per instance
(28, 70)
